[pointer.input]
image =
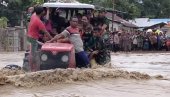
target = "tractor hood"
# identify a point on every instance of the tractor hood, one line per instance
(59, 47)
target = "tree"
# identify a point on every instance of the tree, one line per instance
(15, 10)
(156, 8)
(38, 1)
(128, 6)
(3, 22)
(137, 8)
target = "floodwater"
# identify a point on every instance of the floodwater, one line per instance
(104, 85)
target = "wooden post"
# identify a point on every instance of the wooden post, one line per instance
(113, 16)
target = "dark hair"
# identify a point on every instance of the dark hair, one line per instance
(85, 16)
(96, 29)
(72, 18)
(102, 10)
(38, 10)
(79, 15)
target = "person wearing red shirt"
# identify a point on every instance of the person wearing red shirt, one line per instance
(36, 26)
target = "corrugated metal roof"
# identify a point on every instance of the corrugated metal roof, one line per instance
(142, 22)
(160, 20)
(146, 22)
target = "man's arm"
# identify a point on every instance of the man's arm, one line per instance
(48, 13)
(59, 36)
(47, 33)
(42, 28)
(64, 34)
(104, 27)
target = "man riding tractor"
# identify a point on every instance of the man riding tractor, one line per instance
(73, 35)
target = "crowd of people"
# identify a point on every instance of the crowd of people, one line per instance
(139, 40)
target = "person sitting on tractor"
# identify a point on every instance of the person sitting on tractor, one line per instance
(35, 26)
(72, 33)
(58, 22)
(95, 46)
(87, 31)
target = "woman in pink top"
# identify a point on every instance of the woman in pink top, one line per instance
(48, 24)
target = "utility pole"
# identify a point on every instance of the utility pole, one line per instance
(113, 14)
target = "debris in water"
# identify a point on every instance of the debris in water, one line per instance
(70, 75)
(3, 80)
(47, 77)
(159, 77)
(10, 72)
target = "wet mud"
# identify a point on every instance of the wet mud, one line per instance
(48, 77)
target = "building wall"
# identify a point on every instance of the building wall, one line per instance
(116, 26)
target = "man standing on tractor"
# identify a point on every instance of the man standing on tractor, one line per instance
(73, 35)
(96, 47)
(101, 21)
(36, 26)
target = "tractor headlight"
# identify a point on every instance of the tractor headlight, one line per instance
(44, 57)
(65, 58)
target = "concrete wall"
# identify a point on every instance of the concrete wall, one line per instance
(116, 26)
(13, 39)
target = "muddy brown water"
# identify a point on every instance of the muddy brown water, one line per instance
(133, 75)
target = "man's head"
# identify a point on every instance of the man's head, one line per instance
(58, 12)
(89, 15)
(96, 31)
(74, 22)
(30, 9)
(79, 16)
(40, 11)
(102, 13)
(84, 20)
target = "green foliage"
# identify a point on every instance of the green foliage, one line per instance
(38, 1)
(137, 8)
(14, 10)
(156, 8)
(3, 22)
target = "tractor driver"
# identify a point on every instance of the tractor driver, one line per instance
(73, 34)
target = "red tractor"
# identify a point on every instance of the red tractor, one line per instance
(57, 55)
(51, 56)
